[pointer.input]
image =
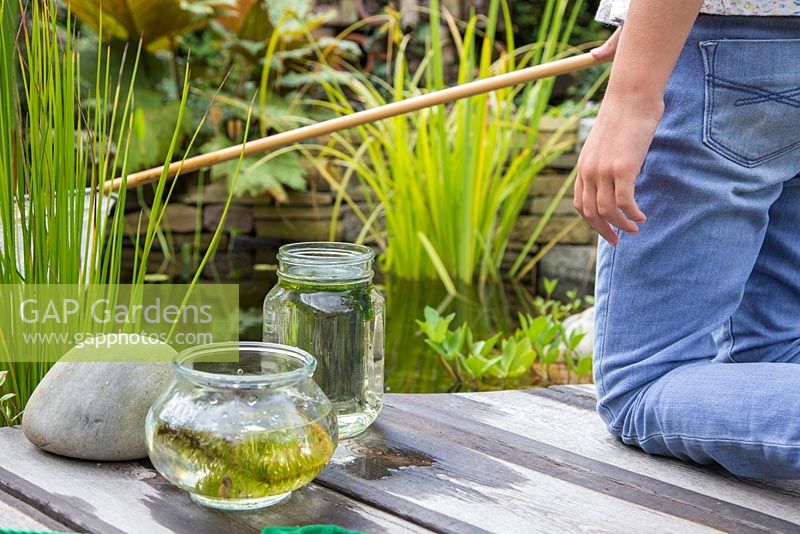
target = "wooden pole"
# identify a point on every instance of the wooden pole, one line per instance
(444, 96)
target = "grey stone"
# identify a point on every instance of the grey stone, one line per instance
(573, 266)
(584, 321)
(95, 410)
(580, 234)
(539, 205)
(240, 218)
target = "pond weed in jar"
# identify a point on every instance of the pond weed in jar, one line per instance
(242, 434)
(325, 303)
(247, 468)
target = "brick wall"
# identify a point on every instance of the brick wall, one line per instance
(257, 224)
(572, 260)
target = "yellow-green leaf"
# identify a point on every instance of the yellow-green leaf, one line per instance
(152, 21)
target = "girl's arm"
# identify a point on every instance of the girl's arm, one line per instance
(649, 45)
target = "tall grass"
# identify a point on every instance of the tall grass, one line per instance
(450, 182)
(49, 154)
(57, 149)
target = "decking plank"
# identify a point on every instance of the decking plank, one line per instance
(490, 462)
(583, 432)
(576, 398)
(418, 467)
(588, 394)
(16, 515)
(588, 389)
(132, 497)
(636, 489)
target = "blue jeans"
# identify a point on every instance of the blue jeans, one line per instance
(698, 317)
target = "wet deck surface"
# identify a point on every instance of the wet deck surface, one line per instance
(516, 461)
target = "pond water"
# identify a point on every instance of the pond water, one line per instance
(411, 366)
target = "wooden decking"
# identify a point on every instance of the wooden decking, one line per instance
(522, 461)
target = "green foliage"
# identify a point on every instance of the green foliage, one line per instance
(528, 16)
(571, 108)
(450, 182)
(156, 105)
(539, 339)
(155, 22)
(560, 310)
(237, 48)
(272, 41)
(58, 149)
(8, 407)
(152, 128)
(271, 174)
(259, 465)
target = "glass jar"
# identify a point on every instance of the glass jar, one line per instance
(242, 426)
(324, 303)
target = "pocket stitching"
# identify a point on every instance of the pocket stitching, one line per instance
(789, 94)
(763, 95)
(709, 53)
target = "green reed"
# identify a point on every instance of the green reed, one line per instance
(450, 182)
(57, 149)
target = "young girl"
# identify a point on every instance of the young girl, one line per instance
(698, 277)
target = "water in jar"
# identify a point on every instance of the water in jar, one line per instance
(342, 326)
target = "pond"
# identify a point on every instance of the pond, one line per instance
(411, 366)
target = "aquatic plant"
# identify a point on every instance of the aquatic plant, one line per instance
(539, 340)
(448, 183)
(263, 464)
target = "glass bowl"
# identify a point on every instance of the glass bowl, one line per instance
(242, 426)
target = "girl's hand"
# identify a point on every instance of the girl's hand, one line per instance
(609, 48)
(611, 160)
(645, 51)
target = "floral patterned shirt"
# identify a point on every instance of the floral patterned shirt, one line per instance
(614, 11)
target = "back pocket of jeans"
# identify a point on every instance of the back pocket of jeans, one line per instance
(752, 98)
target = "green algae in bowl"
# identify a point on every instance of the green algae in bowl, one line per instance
(242, 433)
